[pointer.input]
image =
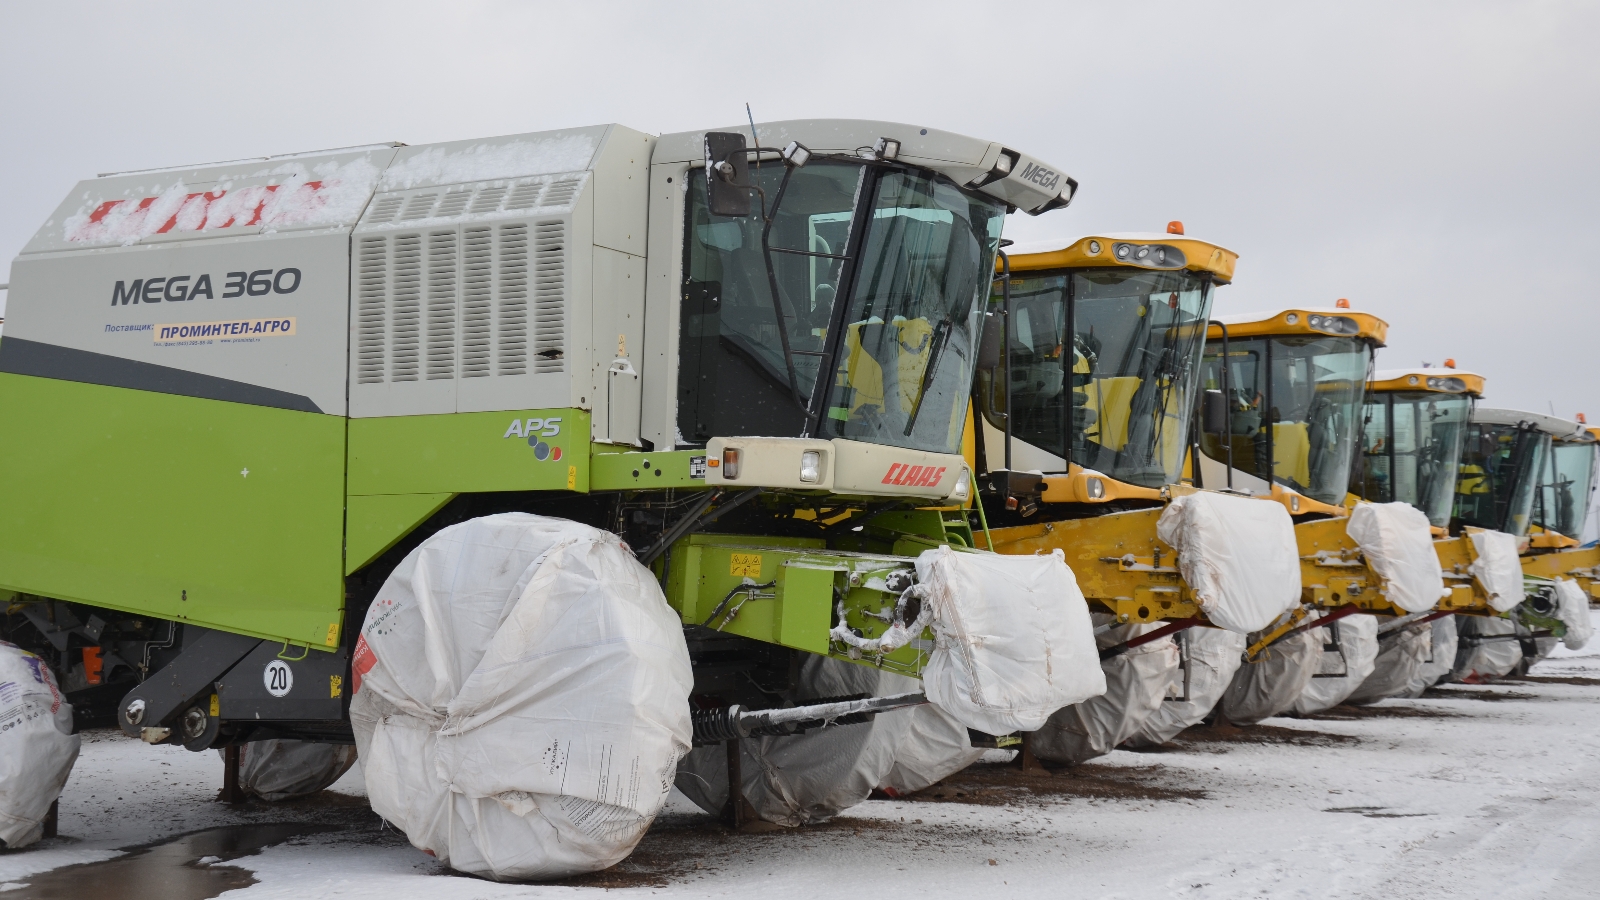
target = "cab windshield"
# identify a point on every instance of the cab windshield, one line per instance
(1499, 475)
(1411, 450)
(1563, 496)
(1293, 411)
(898, 257)
(1136, 341)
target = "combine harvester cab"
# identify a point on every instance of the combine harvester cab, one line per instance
(1099, 370)
(1287, 430)
(1510, 482)
(1414, 430)
(1561, 546)
(354, 436)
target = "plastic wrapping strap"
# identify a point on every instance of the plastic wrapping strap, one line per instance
(899, 632)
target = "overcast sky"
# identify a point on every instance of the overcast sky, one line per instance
(1435, 163)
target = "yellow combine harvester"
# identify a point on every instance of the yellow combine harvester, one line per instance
(1085, 462)
(1085, 396)
(1414, 431)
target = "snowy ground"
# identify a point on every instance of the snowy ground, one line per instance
(1479, 792)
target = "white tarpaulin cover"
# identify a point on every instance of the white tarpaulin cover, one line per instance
(1212, 656)
(1573, 612)
(1441, 660)
(1497, 568)
(1486, 651)
(1402, 653)
(1012, 638)
(805, 779)
(935, 746)
(1339, 672)
(1270, 685)
(521, 697)
(281, 770)
(37, 746)
(1136, 682)
(1238, 555)
(1398, 545)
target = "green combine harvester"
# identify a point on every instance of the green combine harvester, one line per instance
(238, 395)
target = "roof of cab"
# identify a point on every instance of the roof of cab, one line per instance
(1555, 426)
(1118, 248)
(1428, 379)
(1030, 185)
(1298, 320)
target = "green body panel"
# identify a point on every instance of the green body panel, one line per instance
(459, 453)
(797, 611)
(140, 501)
(376, 522)
(610, 471)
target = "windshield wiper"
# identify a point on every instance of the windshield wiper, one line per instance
(941, 334)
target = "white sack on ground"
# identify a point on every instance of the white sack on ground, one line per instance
(1212, 656)
(1573, 611)
(1238, 555)
(1398, 545)
(521, 697)
(282, 770)
(1477, 659)
(1270, 685)
(1441, 660)
(1136, 682)
(1402, 654)
(805, 779)
(1012, 639)
(37, 746)
(935, 746)
(1497, 569)
(1354, 658)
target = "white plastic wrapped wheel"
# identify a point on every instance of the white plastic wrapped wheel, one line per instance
(1441, 658)
(1488, 649)
(1270, 685)
(807, 779)
(37, 746)
(1573, 610)
(934, 747)
(1136, 682)
(521, 698)
(1212, 656)
(1339, 671)
(1402, 656)
(277, 770)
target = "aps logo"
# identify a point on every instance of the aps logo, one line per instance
(532, 430)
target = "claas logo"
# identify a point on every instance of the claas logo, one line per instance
(913, 476)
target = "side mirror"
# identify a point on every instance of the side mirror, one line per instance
(727, 174)
(989, 344)
(1214, 413)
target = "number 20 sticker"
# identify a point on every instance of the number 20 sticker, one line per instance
(278, 677)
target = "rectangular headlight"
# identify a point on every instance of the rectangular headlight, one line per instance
(730, 463)
(811, 466)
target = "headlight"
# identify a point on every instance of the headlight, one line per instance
(1097, 488)
(730, 463)
(1334, 324)
(811, 466)
(963, 485)
(1446, 384)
